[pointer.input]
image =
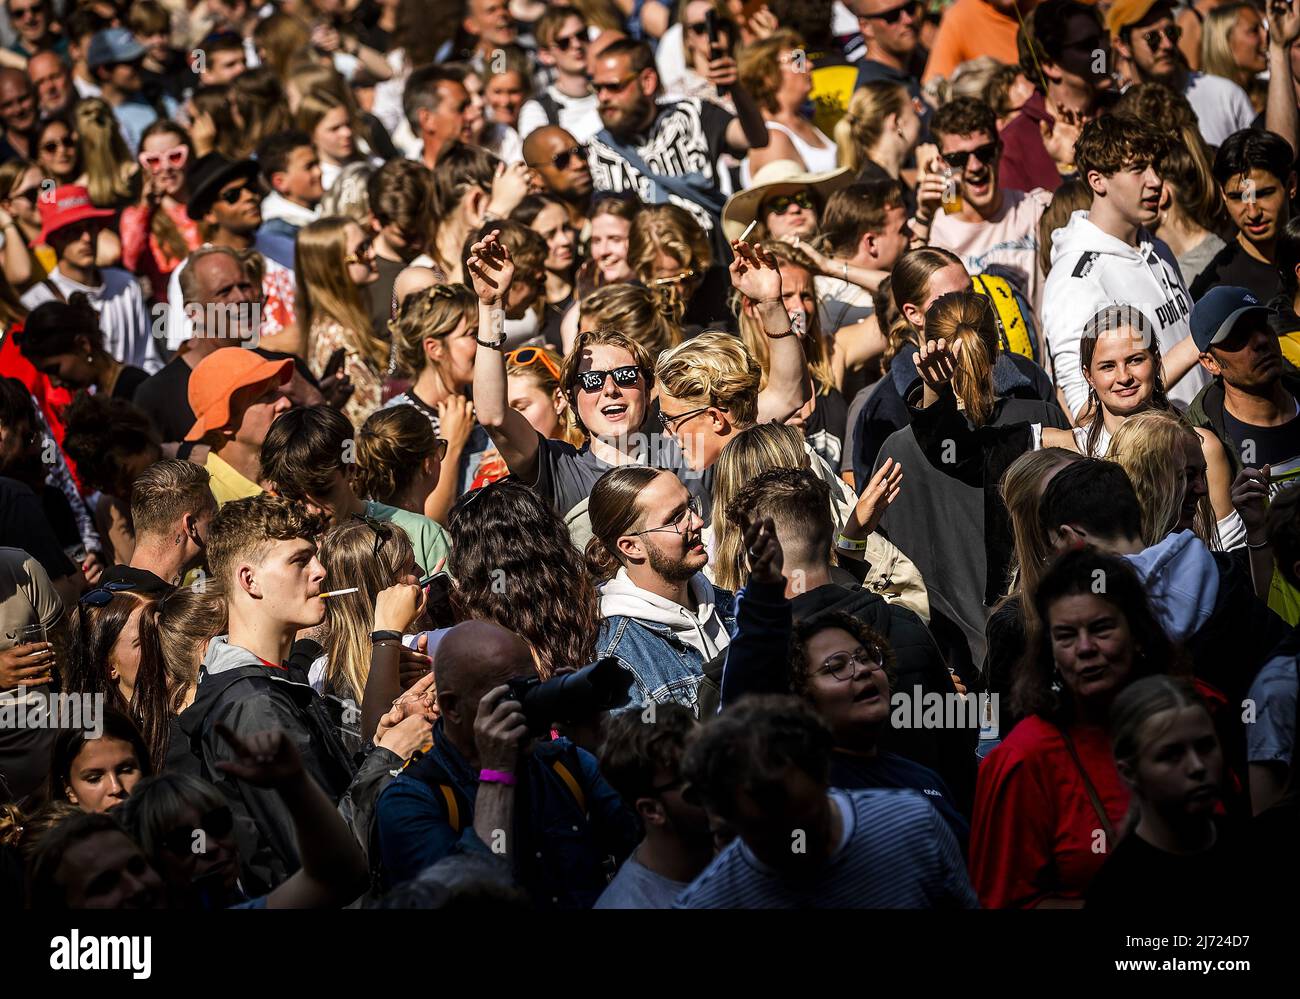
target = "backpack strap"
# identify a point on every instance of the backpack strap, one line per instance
(566, 775)
(54, 290)
(453, 809)
(550, 106)
(1088, 786)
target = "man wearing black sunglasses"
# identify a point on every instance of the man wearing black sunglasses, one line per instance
(569, 102)
(561, 162)
(1146, 36)
(996, 231)
(894, 51)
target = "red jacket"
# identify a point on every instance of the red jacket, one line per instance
(51, 400)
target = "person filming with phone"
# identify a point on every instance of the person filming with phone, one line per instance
(492, 785)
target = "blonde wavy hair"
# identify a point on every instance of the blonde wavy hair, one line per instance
(429, 314)
(1216, 42)
(347, 551)
(864, 122)
(967, 317)
(326, 292)
(391, 446)
(713, 369)
(110, 167)
(753, 451)
(636, 311)
(669, 229)
(1147, 447)
(815, 347)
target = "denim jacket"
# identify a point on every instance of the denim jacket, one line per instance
(563, 850)
(664, 667)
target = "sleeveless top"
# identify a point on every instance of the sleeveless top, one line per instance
(816, 159)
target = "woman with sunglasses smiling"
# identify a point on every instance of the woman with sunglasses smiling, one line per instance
(606, 378)
(57, 150)
(157, 234)
(20, 218)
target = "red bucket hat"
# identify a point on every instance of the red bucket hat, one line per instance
(70, 204)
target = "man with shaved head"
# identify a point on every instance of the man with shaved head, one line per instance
(493, 783)
(52, 79)
(18, 114)
(561, 162)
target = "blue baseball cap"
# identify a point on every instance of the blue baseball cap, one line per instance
(113, 45)
(1216, 315)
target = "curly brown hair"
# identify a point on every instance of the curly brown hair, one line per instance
(244, 527)
(801, 670)
(515, 565)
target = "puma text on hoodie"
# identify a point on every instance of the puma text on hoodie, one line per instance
(1092, 269)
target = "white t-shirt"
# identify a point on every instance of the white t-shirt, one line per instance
(1006, 245)
(578, 115)
(1221, 106)
(123, 316)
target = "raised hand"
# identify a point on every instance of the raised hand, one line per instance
(1249, 494)
(509, 187)
(265, 759)
(415, 664)
(1283, 23)
(456, 421)
(490, 268)
(936, 362)
(397, 606)
(763, 550)
(755, 273)
(882, 489)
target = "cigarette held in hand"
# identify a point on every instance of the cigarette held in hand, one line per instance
(748, 229)
(339, 593)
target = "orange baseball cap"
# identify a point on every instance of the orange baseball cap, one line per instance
(1125, 13)
(216, 379)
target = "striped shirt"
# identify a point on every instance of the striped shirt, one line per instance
(896, 852)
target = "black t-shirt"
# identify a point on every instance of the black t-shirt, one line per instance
(128, 381)
(1139, 877)
(1276, 446)
(23, 525)
(828, 424)
(1235, 267)
(381, 294)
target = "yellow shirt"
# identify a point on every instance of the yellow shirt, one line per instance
(226, 483)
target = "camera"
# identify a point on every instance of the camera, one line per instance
(571, 697)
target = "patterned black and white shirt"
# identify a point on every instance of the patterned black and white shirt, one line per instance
(686, 138)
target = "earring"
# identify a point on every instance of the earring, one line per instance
(178, 539)
(90, 359)
(112, 675)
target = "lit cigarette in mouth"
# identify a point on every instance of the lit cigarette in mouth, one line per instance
(748, 229)
(339, 593)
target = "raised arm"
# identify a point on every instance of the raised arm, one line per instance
(491, 270)
(333, 870)
(756, 275)
(1280, 114)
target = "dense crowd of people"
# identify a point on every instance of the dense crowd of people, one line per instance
(633, 454)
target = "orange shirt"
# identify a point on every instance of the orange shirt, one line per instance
(972, 28)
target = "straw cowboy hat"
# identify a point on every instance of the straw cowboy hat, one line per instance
(778, 177)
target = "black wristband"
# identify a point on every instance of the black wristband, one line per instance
(385, 636)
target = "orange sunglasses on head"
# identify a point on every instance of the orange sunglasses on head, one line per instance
(524, 356)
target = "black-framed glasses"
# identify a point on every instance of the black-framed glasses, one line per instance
(679, 524)
(984, 154)
(1171, 33)
(842, 665)
(568, 41)
(383, 530)
(216, 824)
(100, 596)
(780, 204)
(892, 15)
(598, 88)
(594, 380)
(562, 159)
(442, 448)
(672, 424)
(232, 196)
